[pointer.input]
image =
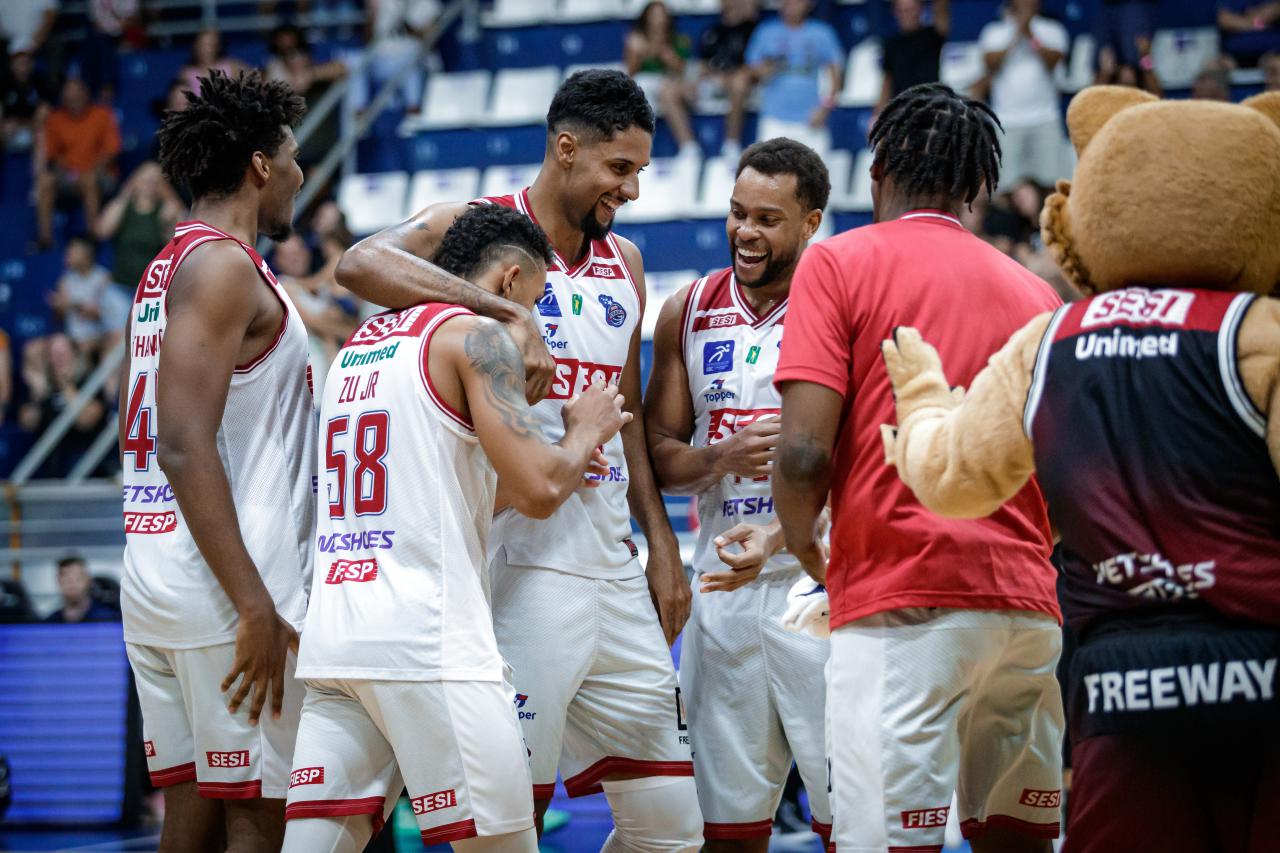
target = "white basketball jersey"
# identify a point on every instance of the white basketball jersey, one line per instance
(401, 588)
(730, 355)
(588, 314)
(169, 596)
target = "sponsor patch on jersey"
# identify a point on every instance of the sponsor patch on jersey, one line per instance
(716, 392)
(153, 280)
(153, 494)
(521, 700)
(434, 802)
(759, 505)
(717, 356)
(150, 522)
(573, 377)
(360, 540)
(925, 818)
(148, 312)
(353, 571)
(547, 304)
(577, 304)
(149, 748)
(753, 355)
(306, 776)
(1139, 306)
(1041, 799)
(614, 314)
(716, 318)
(549, 338)
(231, 758)
(723, 423)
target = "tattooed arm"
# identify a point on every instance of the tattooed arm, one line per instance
(392, 269)
(477, 369)
(802, 469)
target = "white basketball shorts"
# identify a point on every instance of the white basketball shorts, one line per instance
(922, 702)
(455, 745)
(190, 734)
(755, 696)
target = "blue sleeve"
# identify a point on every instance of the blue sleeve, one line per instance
(762, 45)
(830, 45)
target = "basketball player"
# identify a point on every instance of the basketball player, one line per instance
(218, 442)
(425, 410)
(944, 633)
(585, 627)
(754, 692)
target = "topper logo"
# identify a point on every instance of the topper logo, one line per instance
(306, 776)
(355, 571)
(434, 802)
(150, 522)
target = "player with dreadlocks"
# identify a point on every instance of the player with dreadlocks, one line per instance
(218, 449)
(944, 633)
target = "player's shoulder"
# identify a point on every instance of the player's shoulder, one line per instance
(218, 267)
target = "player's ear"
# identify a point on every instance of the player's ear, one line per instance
(509, 276)
(812, 223)
(566, 147)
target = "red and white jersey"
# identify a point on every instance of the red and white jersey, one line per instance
(588, 314)
(170, 597)
(401, 589)
(730, 354)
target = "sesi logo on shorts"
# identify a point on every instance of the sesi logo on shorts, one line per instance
(434, 802)
(150, 522)
(1041, 799)
(149, 748)
(234, 758)
(306, 776)
(356, 571)
(925, 818)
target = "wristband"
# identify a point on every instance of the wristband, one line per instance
(1147, 63)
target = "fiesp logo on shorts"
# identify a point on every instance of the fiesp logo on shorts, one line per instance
(234, 758)
(925, 818)
(434, 802)
(355, 571)
(150, 522)
(306, 776)
(1041, 799)
(149, 748)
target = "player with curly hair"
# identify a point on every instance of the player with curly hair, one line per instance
(218, 450)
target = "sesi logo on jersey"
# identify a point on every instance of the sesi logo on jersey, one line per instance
(573, 377)
(356, 571)
(1139, 306)
(434, 802)
(150, 522)
(725, 422)
(153, 280)
(233, 758)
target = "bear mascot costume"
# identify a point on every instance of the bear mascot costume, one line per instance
(1149, 412)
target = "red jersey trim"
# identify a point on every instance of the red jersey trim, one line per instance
(737, 831)
(841, 616)
(691, 300)
(588, 781)
(811, 374)
(973, 828)
(174, 775)
(626, 268)
(337, 808)
(424, 370)
(456, 831)
(544, 792)
(251, 790)
(743, 305)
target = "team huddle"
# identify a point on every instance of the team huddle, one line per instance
(433, 586)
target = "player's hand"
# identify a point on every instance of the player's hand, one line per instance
(744, 548)
(669, 589)
(597, 470)
(263, 642)
(748, 453)
(915, 370)
(598, 409)
(539, 366)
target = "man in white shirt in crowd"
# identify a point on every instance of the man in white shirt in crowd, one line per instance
(1020, 51)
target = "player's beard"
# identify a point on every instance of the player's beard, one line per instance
(279, 231)
(773, 268)
(593, 228)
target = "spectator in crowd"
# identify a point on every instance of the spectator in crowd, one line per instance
(1142, 75)
(1270, 65)
(15, 609)
(913, 55)
(53, 373)
(656, 54)
(1012, 221)
(722, 49)
(1213, 83)
(1249, 28)
(789, 56)
(108, 20)
(1021, 51)
(1124, 33)
(396, 29)
(327, 310)
(138, 222)
(91, 312)
(291, 61)
(207, 55)
(76, 158)
(6, 375)
(25, 25)
(25, 95)
(78, 604)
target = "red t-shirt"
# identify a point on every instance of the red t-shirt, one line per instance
(966, 298)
